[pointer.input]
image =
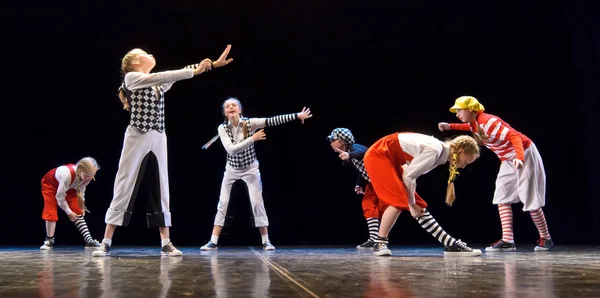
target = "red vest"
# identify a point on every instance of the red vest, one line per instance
(50, 177)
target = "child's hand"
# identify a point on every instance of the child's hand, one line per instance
(222, 61)
(259, 135)
(305, 114)
(358, 190)
(343, 154)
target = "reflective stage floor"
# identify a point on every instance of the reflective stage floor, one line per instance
(567, 271)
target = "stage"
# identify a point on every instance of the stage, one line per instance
(413, 271)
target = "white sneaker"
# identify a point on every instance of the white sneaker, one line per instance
(170, 250)
(103, 251)
(268, 246)
(47, 245)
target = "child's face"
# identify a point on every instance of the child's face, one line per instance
(86, 177)
(464, 159)
(144, 60)
(464, 115)
(338, 144)
(231, 108)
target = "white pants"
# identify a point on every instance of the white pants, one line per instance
(526, 185)
(141, 152)
(250, 176)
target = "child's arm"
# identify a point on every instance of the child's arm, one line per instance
(229, 146)
(63, 175)
(357, 151)
(165, 79)
(258, 123)
(421, 164)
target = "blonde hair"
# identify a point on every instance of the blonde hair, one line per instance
(127, 66)
(470, 146)
(479, 135)
(87, 165)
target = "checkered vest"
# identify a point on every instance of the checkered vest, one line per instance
(245, 158)
(146, 108)
(360, 166)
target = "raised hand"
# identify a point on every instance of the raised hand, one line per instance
(223, 60)
(305, 114)
(203, 66)
(259, 135)
(343, 154)
(443, 126)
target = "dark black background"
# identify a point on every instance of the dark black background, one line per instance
(375, 67)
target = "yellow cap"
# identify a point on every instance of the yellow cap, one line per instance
(467, 103)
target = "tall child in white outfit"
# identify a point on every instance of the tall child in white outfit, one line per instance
(145, 145)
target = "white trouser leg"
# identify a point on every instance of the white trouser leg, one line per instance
(531, 185)
(135, 147)
(228, 179)
(160, 150)
(506, 185)
(254, 184)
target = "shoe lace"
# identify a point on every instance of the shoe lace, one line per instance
(462, 245)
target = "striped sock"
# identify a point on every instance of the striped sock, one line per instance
(83, 229)
(430, 225)
(373, 224)
(506, 219)
(540, 222)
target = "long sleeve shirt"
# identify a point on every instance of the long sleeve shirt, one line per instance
(240, 143)
(165, 79)
(63, 176)
(427, 153)
(502, 139)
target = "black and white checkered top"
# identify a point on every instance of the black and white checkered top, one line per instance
(360, 167)
(245, 158)
(245, 154)
(146, 108)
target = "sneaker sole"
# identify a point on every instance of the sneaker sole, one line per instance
(171, 254)
(268, 249)
(489, 249)
(363, 247)
(100, 255)
(208, 249)
(474, 253)
(539, 248)
(45, 248)
(383, 253)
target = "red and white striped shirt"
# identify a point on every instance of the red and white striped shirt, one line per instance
(502, 139)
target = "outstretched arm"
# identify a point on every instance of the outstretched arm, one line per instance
(258, 123)
(165, 79)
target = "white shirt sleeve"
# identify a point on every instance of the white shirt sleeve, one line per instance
(138, 80)
(422, 163)
(63, 176)
(257, 123)
(229, 146)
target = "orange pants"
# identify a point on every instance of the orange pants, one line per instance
(50, 212)
(372, 206)
(383, 162)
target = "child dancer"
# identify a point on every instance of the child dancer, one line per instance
(64, 187)
(145, 145)
(521, 177)
(396, 184)
(238, 136)
(343, 142)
